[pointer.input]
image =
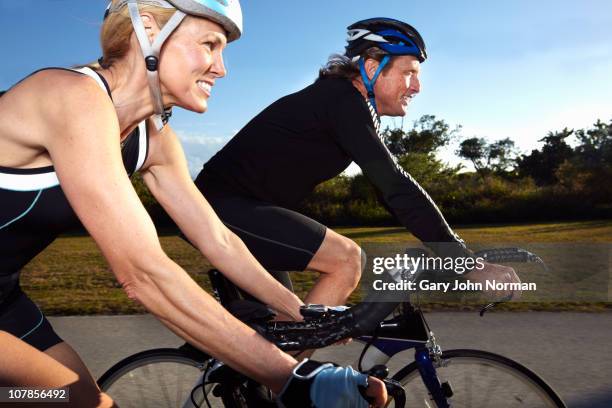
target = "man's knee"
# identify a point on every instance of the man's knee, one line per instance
(353, 262)
(341, 257)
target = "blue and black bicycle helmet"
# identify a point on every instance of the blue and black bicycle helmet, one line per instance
(392, 36)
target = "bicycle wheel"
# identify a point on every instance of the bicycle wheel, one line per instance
(156, 378)
(480, 379)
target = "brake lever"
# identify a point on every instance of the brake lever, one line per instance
(396, 391)
(488, 307)
(508, 255)
(491, 305)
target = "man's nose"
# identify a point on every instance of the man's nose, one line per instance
(415, 84)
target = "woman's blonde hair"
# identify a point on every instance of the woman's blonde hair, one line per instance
(117, 29)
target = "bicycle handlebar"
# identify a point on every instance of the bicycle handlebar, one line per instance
(509, 255)
(324, 326)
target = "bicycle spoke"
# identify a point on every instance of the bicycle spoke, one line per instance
(492, 387)
(167, 384)
(479, 382)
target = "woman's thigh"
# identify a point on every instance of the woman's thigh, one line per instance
(37, 356)
(25, 366)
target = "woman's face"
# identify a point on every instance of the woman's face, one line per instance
(191, 61)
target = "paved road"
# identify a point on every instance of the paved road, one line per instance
(572, 351)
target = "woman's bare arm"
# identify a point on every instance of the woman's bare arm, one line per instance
(168, 178)
(82, 139)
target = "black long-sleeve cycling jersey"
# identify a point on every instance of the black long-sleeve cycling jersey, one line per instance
(311, 136)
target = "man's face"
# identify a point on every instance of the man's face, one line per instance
(396, 86)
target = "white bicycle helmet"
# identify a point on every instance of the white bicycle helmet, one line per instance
(226, 13)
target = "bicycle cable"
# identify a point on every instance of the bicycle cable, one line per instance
(202, 385)
(367, 346)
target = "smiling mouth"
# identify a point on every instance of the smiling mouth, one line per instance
(407, 98)
(204, 86)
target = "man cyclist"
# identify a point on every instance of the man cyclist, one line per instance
(311, 136)
(69, 139)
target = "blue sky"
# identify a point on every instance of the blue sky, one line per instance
(501, 69)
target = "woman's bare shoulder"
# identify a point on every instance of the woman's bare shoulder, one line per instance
(55, 104)
(71, 84)
(56, 90)
(43, 108)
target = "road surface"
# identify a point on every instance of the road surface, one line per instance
(571, 351)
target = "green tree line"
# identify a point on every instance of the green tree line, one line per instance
(568, 177)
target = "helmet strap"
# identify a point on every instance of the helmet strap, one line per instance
(369, 83)
(151, 56)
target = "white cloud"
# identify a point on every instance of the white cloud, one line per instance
(352, 170)
(200, 139)
(199, 148)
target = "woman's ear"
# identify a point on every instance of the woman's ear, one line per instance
(150, 25)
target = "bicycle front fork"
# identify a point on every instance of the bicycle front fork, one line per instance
(428, 357)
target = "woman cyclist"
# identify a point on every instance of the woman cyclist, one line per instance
(68, 142)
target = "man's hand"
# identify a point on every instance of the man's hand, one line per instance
(377, 392)
(499, 274)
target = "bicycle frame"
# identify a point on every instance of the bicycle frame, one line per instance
(406, 331)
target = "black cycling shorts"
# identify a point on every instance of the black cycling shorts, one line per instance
(280, 239)
(20, 317)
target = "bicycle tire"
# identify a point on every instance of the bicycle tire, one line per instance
(161, 377)
(526, 389)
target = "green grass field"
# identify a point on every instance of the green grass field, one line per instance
(71, 277)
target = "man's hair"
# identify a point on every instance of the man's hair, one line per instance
(341, 66)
